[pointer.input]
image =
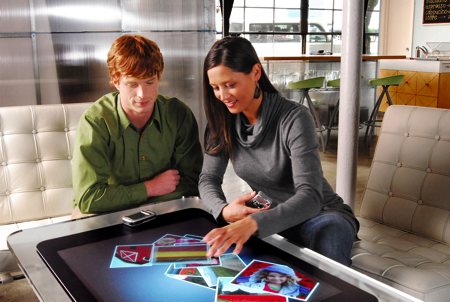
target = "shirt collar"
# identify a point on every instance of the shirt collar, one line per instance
(125, 122)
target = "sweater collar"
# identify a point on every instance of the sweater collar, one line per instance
(251, 135)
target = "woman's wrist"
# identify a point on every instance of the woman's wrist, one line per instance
(253, 225)
(221, 218)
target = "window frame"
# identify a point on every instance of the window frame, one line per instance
(304, 32)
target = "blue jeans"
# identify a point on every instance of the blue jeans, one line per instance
(329, 234)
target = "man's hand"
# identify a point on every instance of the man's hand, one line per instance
(237, 233)
(237, 209)
(163, 183)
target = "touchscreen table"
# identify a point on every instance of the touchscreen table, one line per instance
(165, 260)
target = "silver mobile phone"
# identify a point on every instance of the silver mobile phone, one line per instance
(260, 201)
(139, 218)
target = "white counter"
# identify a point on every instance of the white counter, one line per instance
(416, 65)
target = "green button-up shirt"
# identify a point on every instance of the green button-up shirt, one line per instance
(112, 159)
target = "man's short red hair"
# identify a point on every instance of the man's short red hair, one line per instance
(136, 56)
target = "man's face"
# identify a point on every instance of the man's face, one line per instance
(137, 96)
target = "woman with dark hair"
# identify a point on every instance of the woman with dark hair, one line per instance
(272, 144)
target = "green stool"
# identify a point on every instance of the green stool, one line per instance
(336, 84)
(385, 83)
(304, 86)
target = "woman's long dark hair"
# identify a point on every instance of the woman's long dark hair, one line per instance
(239, 55)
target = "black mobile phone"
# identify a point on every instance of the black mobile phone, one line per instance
(139, 218)
(260, 201)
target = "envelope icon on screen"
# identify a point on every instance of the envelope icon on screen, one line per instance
(134, 254)
(129, 256)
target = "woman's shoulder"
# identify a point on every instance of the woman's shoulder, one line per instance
(295, 107)
(292, 118)
(285, 105)
(292, 111)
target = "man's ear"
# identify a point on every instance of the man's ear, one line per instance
(116, 84)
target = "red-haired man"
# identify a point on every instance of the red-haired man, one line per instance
(134, 145)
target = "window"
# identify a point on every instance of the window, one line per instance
(275, 26)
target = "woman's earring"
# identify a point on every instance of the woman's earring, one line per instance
(257, 93)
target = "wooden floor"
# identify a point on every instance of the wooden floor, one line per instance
(17, 291)
(329, 163)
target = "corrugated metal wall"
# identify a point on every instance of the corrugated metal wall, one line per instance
(54, 51)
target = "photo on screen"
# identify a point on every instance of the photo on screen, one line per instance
(278, 279)
(180, 254)
(168, 239)
(231, 266)
(229, 292)
(210, 262)
(194, 280)
(138, 255)
(188, 241)
(194, 236)
(174, 272)
(190, 275)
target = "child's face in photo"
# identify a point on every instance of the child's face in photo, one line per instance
(276, 278)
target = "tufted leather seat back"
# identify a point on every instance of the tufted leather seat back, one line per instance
(36, 144)
(405, 211)
(409, 182)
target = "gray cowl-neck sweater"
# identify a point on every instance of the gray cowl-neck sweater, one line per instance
(278, 155)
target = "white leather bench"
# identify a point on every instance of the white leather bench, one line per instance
(36, 144)
(405, 211)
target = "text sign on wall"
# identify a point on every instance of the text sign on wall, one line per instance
(436, 11)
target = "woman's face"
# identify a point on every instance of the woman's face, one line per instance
(276, 278)
(235, 89)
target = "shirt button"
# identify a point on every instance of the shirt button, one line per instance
(143, 157)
